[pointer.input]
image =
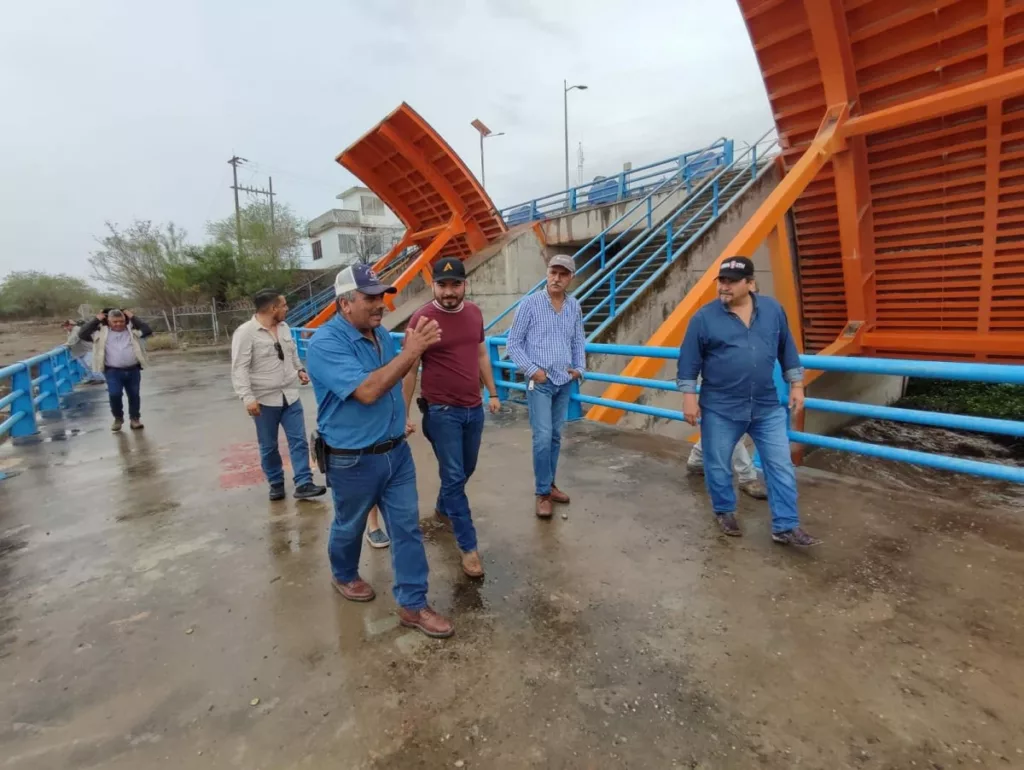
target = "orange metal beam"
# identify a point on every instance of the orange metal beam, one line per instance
(784, 279)
(831, 39)
(398, 248)
(993, 160)
(375, 182)
(992, 343)
(426, 257)
(750, 236)
(936, 105)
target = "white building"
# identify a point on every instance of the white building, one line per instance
(362, 230)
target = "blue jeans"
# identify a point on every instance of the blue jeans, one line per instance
(549, 406)
(119, 382)
(359, 482)
(768, 430)
(455, 433)
(292, 420)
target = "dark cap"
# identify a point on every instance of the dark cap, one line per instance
(363, 279)
(449, 269)
(735, 268)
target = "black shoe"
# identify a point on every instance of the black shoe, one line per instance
(277, 491)
(728, 524)
(795, 537)
(308, 490)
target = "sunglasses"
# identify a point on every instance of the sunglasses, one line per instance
(280, 351)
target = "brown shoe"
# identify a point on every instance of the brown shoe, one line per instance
(728, 524)
(117, 425)
(472, 565)
(137, 425)
(754, 488)
(544, 510)
(427, 621)
(558, 496)
(357, 590)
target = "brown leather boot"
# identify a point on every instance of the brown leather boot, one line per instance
(357, 590)
(472, 565)
(544, 509)
(427, 621)
(558, 496)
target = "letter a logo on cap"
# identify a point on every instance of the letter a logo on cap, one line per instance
(447, 267)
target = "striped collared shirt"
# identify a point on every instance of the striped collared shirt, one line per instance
(541, 338)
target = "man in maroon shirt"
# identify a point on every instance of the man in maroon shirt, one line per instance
(451, 402)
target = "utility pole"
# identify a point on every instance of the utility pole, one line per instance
(565, 103)
(235, 163)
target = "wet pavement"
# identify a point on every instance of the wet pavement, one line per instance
(157, 611)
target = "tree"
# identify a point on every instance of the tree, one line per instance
(33, 294)
(372, 243)
(205, 272)
(281, 245)
(139, 261)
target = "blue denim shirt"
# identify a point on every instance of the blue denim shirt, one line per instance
(737, 363)
(339, 359)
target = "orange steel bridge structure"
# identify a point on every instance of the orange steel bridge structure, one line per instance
(902, 127)
(419, 177)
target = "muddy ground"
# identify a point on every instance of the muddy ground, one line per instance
(149, 595)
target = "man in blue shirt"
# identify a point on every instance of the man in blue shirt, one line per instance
(733, 343)
(546, 342)
(357, 372)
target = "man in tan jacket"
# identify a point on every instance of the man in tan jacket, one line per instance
(120, 356)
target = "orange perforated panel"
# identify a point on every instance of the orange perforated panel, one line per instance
(414, 171)
(938, 223)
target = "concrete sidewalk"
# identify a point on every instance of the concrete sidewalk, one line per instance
(150, 594)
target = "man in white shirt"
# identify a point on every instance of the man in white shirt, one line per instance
(266, 373)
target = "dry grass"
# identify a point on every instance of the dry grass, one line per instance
(23, 339)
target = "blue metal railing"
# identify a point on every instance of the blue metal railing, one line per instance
(688, 168)
(882, 366)
(624, 281)
(56, 374)
(632, 219)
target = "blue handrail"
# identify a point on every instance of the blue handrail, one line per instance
(57, 374)
(666, 186)
(724, 195)
(995, 373)
(689, 166)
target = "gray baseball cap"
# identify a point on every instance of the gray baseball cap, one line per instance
(563, 260)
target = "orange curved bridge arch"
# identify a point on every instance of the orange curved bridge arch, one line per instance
(416, 173)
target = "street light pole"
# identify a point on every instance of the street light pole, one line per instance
(485, 133)
(565, 103)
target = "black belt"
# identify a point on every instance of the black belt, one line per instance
(377, 449)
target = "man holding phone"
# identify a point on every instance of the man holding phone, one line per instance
(266, 373)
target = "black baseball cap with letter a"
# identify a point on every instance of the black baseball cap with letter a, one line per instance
(449, 269)
(735, 268)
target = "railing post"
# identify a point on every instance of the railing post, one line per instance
(572, 199)
(622, 186)
(492, 352)
(611, 294)
(49, 404)
(668, 239)
(77, 372)
(727, 152)
(714, 198)
(601, 250)
(26, 426)
(753, 162)
(575, 407)
(533, 210)
(650, 212)
(63, 364)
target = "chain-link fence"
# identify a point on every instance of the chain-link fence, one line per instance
(209, 323)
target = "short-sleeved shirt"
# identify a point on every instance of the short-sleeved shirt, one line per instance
(338, 360)
(451, 366)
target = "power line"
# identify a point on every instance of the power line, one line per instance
(235, 162)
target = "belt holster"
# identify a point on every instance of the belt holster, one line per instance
(320, 455)
(422, 404)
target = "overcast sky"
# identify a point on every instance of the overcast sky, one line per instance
(124, 109)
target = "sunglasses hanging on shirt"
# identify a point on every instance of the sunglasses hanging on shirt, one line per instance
(280, 351)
